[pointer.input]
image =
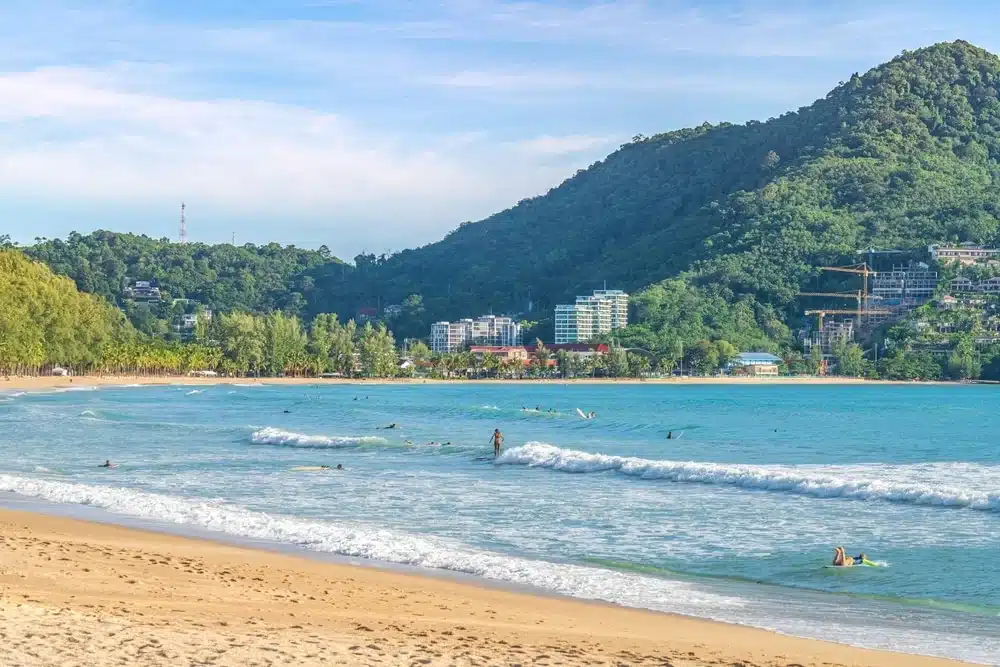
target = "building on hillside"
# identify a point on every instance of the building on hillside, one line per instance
(593, 315)
(829, 337)
(575, 323)
(757, 364)
(143, 290)
(393, 311)
(619, 306)
(963, 253)
(485, 330)
(367, 314)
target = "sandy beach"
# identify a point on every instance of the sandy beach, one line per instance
(80, 593)
(39, 383)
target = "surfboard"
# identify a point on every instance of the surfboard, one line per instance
(580, 412)
(309, 468)
(867, 563)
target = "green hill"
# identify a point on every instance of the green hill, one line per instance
(220, 277)
(901, 156)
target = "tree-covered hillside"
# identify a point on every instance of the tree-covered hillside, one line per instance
(44, 319)
(904, 155)
(220, 277)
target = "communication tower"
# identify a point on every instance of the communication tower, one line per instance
(184, 230)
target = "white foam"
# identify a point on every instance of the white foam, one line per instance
(275, 436)
(365, 541)
(888, 483)
(193, 391)
(349, 539)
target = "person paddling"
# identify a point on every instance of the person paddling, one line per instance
(497, 440)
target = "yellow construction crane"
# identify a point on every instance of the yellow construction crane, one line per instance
(861, 269)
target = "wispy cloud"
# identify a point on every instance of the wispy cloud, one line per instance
(352, 121)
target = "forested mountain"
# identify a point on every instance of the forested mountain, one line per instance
(220, 277)
(713, 229)
(901, 156)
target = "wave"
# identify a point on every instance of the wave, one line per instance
(276, 436)
(853, 484)
(351, 539)
(193, 391)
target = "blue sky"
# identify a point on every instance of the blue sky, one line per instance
(381, 124)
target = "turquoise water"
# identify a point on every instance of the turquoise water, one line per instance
(733, 520)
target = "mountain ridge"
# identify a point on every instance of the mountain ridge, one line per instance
(901, 155)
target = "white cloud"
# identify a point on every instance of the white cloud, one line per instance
(77, 135)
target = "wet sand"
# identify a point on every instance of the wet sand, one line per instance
(80, 593)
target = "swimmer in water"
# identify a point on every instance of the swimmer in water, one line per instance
(670, 435)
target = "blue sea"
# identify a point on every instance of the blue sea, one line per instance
(734, 519)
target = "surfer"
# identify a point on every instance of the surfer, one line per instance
(288, 412)
(106, 464)
(841, 559)
(591, 415)
(497, 440)
(670, 435)
(389, 427)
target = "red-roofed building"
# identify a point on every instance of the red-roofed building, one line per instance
(516, 352)
(582, 350)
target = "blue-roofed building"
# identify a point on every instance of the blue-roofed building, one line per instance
(758, 364)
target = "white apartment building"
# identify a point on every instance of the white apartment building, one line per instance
(963, 253)
(485, 330)
(592, 315)
(619, 306)
(575, 323)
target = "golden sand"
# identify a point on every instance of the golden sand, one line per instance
(94, 595)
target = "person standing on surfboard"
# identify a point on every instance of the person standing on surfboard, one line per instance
(497, 440)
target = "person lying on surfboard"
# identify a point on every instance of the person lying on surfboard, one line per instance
(841, 559)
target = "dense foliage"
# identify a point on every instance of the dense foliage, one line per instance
(44, 320)
(219, 277)
(902, 156)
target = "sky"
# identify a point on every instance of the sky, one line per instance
(377, 125)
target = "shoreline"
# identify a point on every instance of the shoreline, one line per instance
(31, 383)
(71, 580)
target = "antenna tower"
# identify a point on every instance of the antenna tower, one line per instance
(184, 229)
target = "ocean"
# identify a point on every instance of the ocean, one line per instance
(733, 519)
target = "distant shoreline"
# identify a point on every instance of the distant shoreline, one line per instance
(28, 383)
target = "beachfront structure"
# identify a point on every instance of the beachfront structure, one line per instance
(756, 364)
(963, 253)
(485, 330)
(591, 316)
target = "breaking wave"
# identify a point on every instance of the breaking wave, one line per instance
(853, 484)
(276, 436)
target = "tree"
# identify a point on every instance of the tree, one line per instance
(562, 363)
(242, 337)
(419, 351)
(377, 352)
(850, 359)
(963, 363)
(616, 362)
(540, 357)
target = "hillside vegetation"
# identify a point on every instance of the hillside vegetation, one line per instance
(904, 155)
(220, 277)
(44, 320)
